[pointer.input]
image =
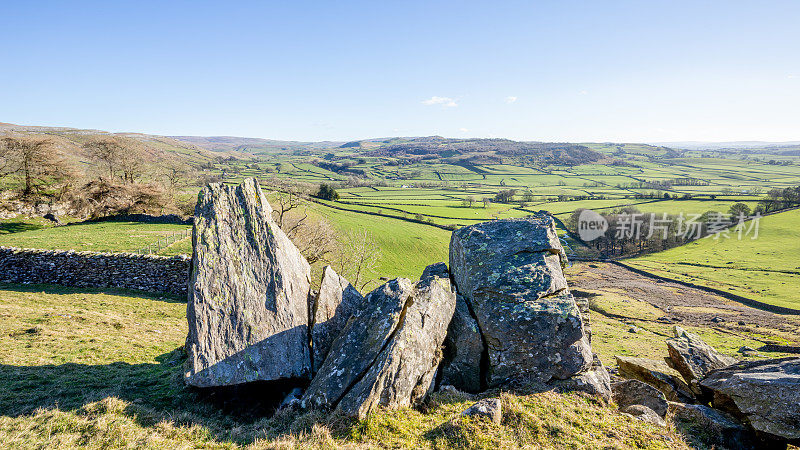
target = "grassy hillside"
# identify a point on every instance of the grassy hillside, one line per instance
(103, 370)
(765, 269)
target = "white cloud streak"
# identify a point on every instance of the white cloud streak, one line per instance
(445, 102)
(511, 99)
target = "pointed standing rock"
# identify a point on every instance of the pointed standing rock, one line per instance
(248, 292)
(335, 304)
(356, 348)
(403, 374)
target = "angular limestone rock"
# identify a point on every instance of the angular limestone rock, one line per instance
(510, 274)
(693, 358)
(404, 372)
(357, 347)
(248, 293)
(656, 374)
(335, 304)
(765, 393)
(635, 392)
(464, 348)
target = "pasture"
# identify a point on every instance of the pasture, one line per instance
(765, 269)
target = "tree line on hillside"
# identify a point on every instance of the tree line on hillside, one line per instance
(540, 152)
(778, 199)
(112, 175)
(631, 232)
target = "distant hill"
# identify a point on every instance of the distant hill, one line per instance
(732, 145)
(488, 150)
(253, 146)
(71, 140)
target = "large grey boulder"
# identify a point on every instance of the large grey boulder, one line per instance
(635, 392)
(693, 358)
(764, 393)
(463, 348)
(248, 293)
(335, 304)
(657, 374)
(389, 352)
(510, 274)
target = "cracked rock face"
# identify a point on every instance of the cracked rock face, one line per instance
(464, 349)
(335, 304)
(248, 293)
(388, 354)
(510, 274)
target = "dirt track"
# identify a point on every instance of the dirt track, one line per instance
(683, 305)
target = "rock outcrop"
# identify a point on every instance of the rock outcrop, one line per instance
(248, 293)
(510, 274)
(693, 358)
(765, 394)
(657, 374)
(335, 304)
(389, 352)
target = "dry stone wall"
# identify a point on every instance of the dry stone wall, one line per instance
(148, 273)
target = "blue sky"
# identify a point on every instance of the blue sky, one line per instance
(640, 71)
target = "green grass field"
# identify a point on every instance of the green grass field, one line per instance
(96, 236)
(765, 269)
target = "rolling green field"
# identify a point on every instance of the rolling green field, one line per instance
(766, 268)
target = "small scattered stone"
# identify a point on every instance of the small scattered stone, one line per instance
(633, 329)
(490, 408)
(643, 413)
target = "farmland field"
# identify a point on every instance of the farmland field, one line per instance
(766, 268)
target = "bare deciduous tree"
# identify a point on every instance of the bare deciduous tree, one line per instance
(120, 156)
(35, 159)
(356, 257)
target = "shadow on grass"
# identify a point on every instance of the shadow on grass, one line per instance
(65, 290)
(17, 227)
(155, 391)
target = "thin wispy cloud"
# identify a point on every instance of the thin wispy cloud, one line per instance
(445, 102)
(511, 99)
(463, 130)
